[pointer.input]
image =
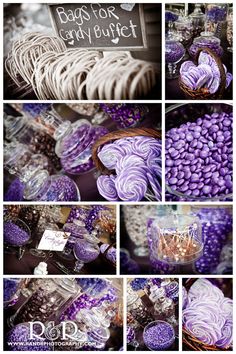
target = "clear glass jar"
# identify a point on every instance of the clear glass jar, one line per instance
(174, 53)
(184, 30)
(158, 335)
(176, 240)
(85, 251)
(30, 168)
(217, 225)
(74, 143)
(198, 20)
(216, 18)
(229, 30)
(24, 131)
(137, 309)
(206, 40)
(11, 291)
(48, 301)
(135, 219)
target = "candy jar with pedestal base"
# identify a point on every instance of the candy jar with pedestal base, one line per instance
(47, 302)
(30, 168)
(174, 53)
(176, 240)
(16, 235)
(85, 252)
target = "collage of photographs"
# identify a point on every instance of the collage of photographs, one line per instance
(117, 203)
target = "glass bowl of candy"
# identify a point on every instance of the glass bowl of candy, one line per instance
(158, 335)
(15, 232)
(174, 53)
(199, 152)
(206, 40)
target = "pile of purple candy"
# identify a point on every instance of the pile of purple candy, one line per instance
(208, 314)
(159, 335)
(14, 235)
(205, 76)
(199, 157)
(216, 226)
(137, 165)
(210, 42)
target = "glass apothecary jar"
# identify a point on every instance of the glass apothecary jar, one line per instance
(47, 302)
(216, 15)
(175, 240)
(198, 20)
(30, 168)
(23, 130)
(174, 53)
(74, 144)
(11, 291)
(206, 40)
(137, 309)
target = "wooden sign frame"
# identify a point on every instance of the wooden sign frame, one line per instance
(130, 48)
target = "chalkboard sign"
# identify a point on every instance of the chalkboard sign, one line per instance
(100, 26)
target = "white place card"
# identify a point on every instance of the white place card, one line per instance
(53, 240)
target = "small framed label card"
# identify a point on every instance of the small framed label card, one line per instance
(53, 240)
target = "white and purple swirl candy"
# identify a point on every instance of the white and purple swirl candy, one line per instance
(214, 85)
(131, 184)
(184, 298)
(229, 78)
(129, 161)
(106, 187)
(202, 289)
(203, 319)
(155, 185)
(186, 66)
(205, 58)
(154, 164)
(110, 154)
(227, 307)
(125, 144)
(144, 146)
(226, 339)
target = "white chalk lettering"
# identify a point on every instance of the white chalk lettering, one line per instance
(100, 12)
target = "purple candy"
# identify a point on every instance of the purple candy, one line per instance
(14, 235)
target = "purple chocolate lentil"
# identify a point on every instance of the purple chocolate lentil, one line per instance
(217, 157)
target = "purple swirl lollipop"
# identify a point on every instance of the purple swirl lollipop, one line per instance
(144, 146)
(110, 154)
(226, 339)
(125, 144)
(129, 161)
(106, 187)
(202, 289)
(131, 184)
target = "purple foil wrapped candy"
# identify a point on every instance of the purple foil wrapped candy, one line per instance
(14, 235)
(125, 115)
(158, 335)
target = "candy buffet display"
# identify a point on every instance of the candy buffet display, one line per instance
(54, 153)
(199, 152)
(73, 314)
(199, 51)
(46, 62)
(176, 239)
(207, 314)
(152, 314)
(54, 239)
